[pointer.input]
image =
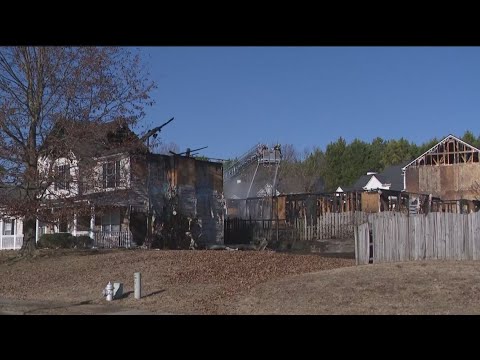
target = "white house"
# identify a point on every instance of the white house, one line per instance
(389, 179)
(94, 175)
(11, 233)
(376, 182)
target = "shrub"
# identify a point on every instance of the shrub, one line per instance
(83, 242)
(55, 241)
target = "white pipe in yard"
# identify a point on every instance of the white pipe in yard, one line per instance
(137, 280)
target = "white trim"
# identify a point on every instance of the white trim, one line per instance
(14, 241)
(36, 230)
(382, 186)
(74, 232)
(92, 223)
(450, 136)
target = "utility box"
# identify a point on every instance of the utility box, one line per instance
(117, 290)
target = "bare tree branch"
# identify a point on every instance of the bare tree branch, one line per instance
(41, 87)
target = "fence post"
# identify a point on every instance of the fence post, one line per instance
(277, 227)
(355, 234)
(137, 280)
(371, 248)
(305, 225)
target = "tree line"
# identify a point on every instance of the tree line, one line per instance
(342, 163)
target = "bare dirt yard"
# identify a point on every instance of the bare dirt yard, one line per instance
(233, 282)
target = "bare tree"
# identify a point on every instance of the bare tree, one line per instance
(301, 172)
(42, 86)
(310, 172)
(165, 148)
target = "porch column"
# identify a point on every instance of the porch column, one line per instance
(14, 226)
(74, 232)
(1, 234)
(92, 223)
(36, 231)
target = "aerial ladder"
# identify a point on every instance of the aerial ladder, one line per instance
(261, 154)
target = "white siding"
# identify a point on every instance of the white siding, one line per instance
(374, 184)
(45, 164)
(11, 241)
(47, 169)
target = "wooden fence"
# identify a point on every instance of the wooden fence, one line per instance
(329, 226)
(390, 237)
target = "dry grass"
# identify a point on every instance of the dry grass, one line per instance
(235, 282)
(179, 282)
(440, 287)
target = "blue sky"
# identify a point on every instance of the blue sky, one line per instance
(230, 98)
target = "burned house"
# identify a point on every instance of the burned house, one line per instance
(185, 186)
(110, 187)
(450, 170)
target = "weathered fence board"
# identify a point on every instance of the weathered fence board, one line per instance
(399, 237)
(362, 248)
(328, 226)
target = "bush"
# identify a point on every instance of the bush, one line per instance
(83, 242)
(55, 241)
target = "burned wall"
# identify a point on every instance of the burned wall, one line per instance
(160, 182)
(411, 180)
(370, 202)
(210, 206)
(448, 182)
(194, 188)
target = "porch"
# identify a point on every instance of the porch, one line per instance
(11, 242)
(11, 234)
(108, 227)
(113, 239)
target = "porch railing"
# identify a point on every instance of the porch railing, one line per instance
(112, 239)
(11, 242)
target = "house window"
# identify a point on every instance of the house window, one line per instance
(111, 174)
(63, 226)
(111, 221)
(62, 175)
(8, 226)
(83, 223)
